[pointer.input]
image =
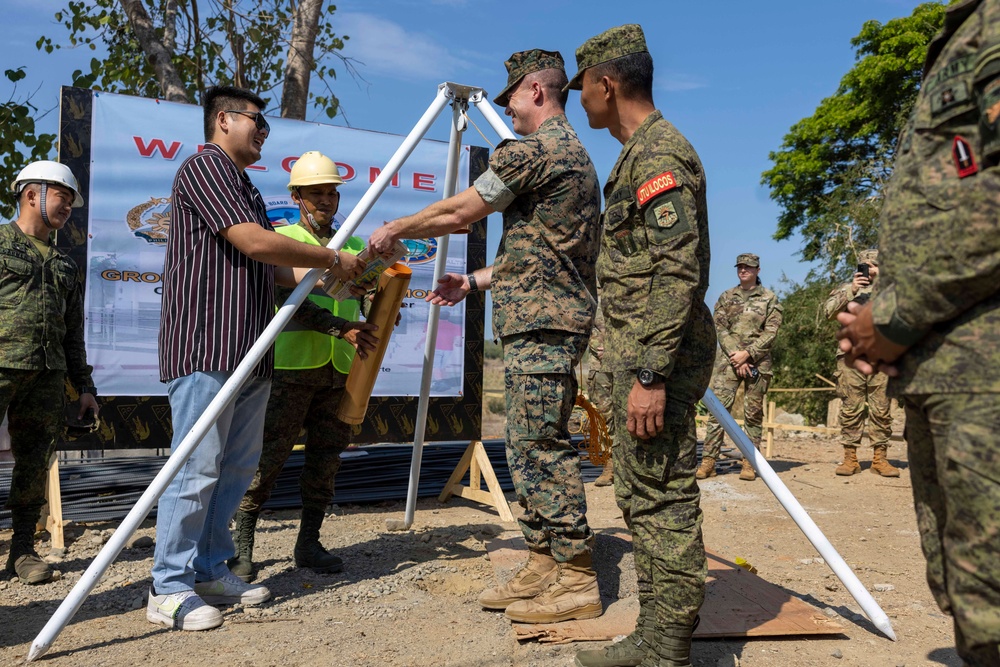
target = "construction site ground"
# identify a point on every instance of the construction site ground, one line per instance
(409, 598)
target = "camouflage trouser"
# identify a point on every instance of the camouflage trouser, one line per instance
(954, 456)
(34, 404)
(656, 490)
(599, 392)
(540, 390)
(725, 384)
(302, 399)
(857, 391)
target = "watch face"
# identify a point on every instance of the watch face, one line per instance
(645, 376)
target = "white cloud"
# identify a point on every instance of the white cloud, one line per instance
(388, 49)
(674, 83)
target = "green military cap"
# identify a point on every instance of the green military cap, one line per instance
(610, 44)
(523, 63)
(869, 256)
(749, 259)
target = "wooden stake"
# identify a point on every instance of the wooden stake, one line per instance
(477, 462)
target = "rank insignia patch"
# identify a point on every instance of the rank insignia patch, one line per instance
(965, 161)
(655, 186)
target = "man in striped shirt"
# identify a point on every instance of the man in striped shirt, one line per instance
(218, 296)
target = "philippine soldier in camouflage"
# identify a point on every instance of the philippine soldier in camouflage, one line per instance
(747, 318)
(544, 299)
(858, 390)
(312, 357)
(599, 391)
(935, 318)
(41, 341)
(660, 341)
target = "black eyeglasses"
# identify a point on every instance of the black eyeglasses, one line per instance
(258, 119)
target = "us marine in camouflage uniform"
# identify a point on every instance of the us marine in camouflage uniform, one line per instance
(312, 357)
(936, 318)
(544, 298)
(599, 391)
(660, 341)
(41, 341)
(747, 318)
(857, 390)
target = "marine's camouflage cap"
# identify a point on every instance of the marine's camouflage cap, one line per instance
(610, 44)
(749, 259)
(523, 63)
(869, 256)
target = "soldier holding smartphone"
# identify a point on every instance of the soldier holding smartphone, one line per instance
(858, 391)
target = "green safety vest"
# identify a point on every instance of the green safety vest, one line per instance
(297, 348)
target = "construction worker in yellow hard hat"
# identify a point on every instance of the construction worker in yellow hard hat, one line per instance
(312, 357)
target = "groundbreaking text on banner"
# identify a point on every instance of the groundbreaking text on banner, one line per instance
(137, 146)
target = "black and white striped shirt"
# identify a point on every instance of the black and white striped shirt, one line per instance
(216, 300)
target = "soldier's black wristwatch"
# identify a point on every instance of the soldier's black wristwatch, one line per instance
(649, 377)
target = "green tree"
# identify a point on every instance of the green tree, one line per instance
(19, 143)
(805, 347)
(829, 173)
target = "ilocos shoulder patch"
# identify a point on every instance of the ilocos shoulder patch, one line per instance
(656, 186)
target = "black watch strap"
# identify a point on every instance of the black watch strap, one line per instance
(649, 377)
(89, 390)
(473, 285)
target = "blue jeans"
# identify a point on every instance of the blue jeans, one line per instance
(193, 540)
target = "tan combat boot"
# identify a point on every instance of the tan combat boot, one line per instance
(850, 466)
(706, 469)
(535, 576)
(746, 473)
(607, 477)
(574, 595)
(881, 465)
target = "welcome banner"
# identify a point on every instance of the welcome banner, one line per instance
(136, 147)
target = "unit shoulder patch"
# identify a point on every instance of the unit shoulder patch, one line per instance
(655, 186)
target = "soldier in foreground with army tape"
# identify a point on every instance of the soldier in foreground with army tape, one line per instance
(41, 342)
(546, 187)
(312, 358)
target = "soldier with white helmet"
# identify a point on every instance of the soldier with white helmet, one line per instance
(312, 357)
(41, 342)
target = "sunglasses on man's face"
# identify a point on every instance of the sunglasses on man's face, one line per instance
(258, 119)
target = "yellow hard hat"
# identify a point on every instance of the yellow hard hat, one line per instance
(313, 168)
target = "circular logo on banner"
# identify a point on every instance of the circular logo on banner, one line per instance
(420, 251)
(282, 210)
(150, 220)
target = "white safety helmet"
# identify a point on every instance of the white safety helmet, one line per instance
(47, 171)
(314, 168)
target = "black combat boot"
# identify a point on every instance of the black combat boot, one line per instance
(629, 652)
(241, 564)
(308, 551)
(23, 561)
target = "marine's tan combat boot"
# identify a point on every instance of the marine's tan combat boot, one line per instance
(746, 472)
(574, 595)
(607, 477)
(706, 469)
(535, 576)
(881, 465)
(850, 466)
(629, 652)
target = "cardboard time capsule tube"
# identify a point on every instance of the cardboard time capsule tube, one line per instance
(389, 295)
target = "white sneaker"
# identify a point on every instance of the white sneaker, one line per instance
(182, 611)
(230, 589)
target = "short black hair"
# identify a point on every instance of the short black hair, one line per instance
(633, 73)
(220, 98)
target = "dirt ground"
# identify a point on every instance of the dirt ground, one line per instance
(409, 598)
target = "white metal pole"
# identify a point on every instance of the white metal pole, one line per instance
(433, 315)
(799, 515)
(71, 604)
(494, 119)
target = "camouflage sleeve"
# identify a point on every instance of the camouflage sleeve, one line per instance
(79, 371)
(838, 300)
(596, 345)
(671, 218)
(728, 341)
(310, 315)
(515, 167)
(762, 345)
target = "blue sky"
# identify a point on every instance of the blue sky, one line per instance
(732, 76)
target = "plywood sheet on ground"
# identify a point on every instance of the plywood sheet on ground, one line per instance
(737, 604)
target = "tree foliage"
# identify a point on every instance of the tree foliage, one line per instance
(248, 44)
(19, 144)
(829, 172)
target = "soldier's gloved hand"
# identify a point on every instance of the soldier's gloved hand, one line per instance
(357, 334)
